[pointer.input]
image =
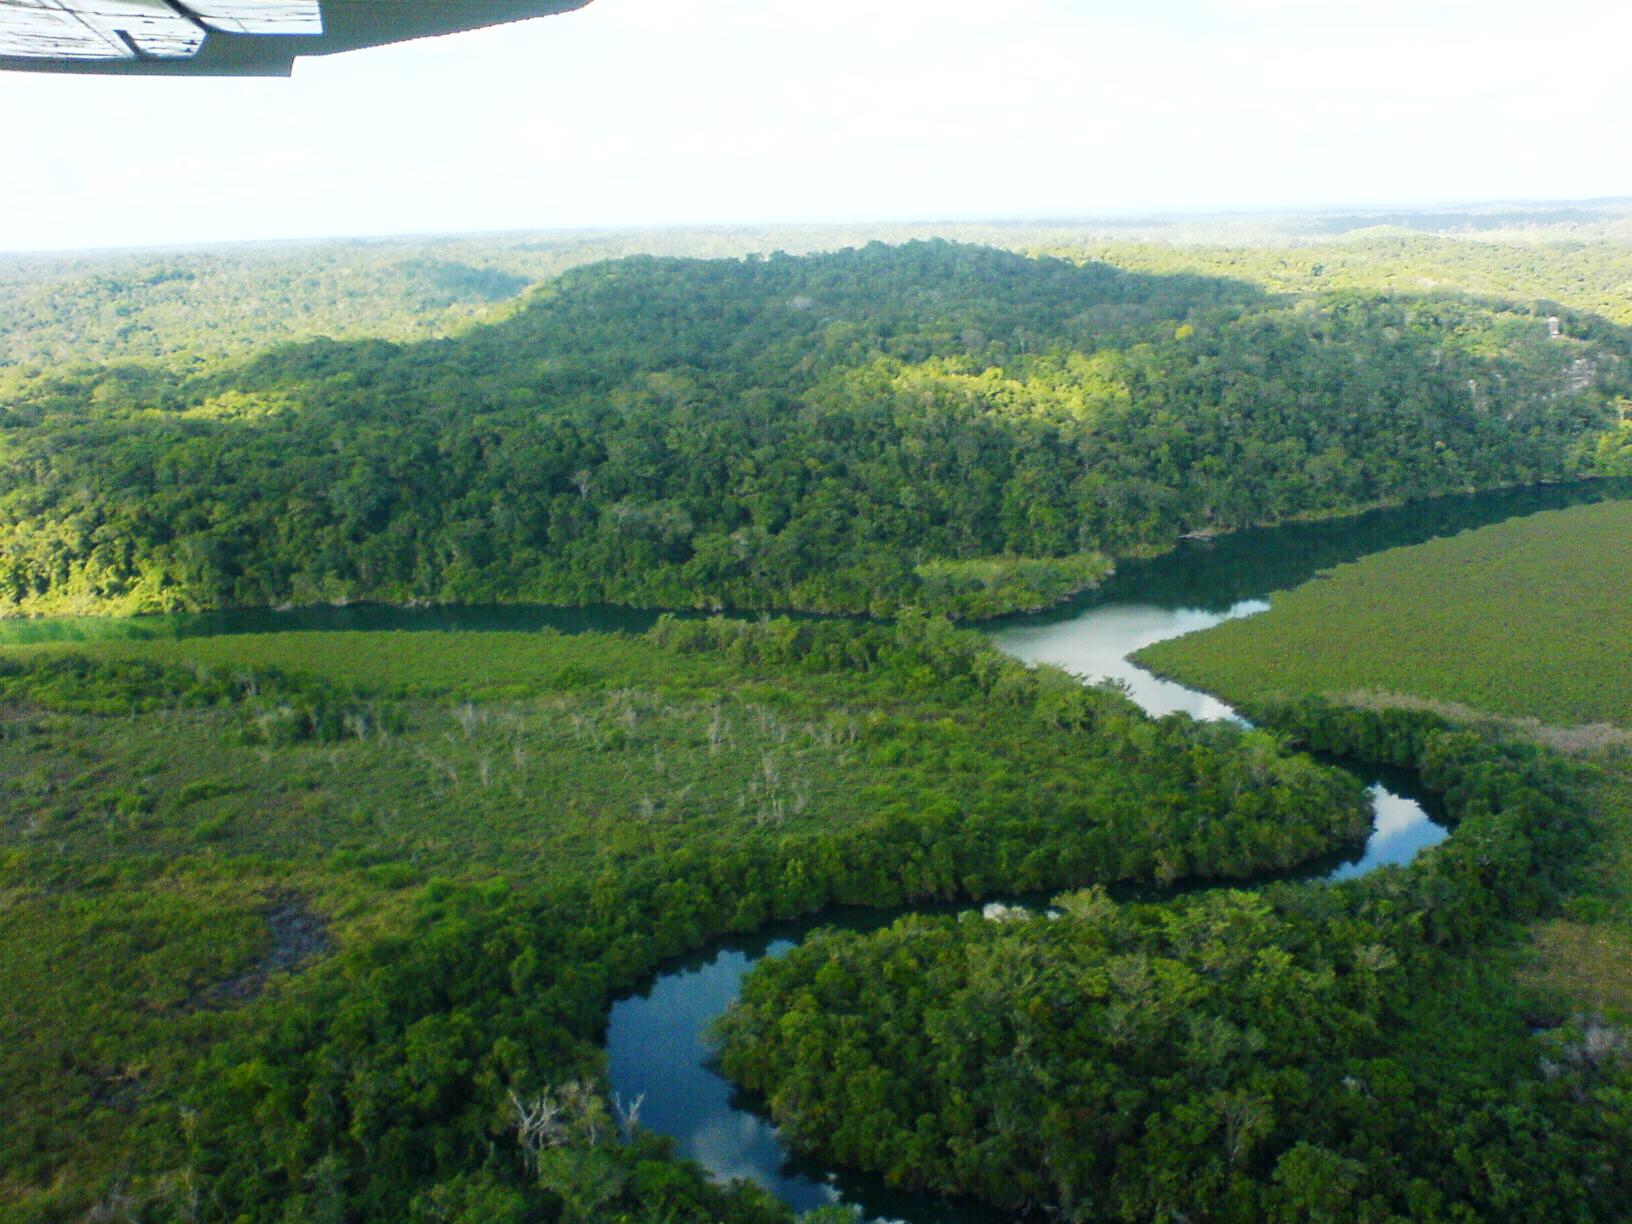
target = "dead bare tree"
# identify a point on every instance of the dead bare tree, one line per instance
(628, 1113)
(571, 1113)
(538, 1123)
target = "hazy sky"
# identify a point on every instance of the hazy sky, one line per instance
(656, 111)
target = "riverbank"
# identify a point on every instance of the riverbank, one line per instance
(1116, 1053)
(1209, 575)
(1527, 640)
(660, 1039)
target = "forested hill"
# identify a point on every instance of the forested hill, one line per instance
(845, 431)
(186, 308)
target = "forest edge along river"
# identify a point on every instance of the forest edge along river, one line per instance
(1206, 576)
(660, 1051)
(657, 1039)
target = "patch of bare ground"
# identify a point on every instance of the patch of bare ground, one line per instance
(299, 936)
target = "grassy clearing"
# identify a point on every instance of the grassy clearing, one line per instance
(139, 852)
(476, 666)
(1527, 618)
(1522, 626)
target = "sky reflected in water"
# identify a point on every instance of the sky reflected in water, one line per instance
(1096, 646)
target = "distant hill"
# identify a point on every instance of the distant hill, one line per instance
(183, 307)
(825, 432)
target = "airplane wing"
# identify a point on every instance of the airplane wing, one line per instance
(228, 37)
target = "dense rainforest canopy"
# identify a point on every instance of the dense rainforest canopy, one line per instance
(326, 926)
(187, 308)
(956, 427)
(1327, 1053)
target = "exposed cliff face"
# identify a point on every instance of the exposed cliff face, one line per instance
(229, 37)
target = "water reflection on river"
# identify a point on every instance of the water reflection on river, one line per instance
(657, 1045)
(657, 1041)
(1096, 646)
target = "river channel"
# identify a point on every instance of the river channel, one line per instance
(657, 1038)
(658, 1043)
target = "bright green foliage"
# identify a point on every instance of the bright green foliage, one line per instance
(991, 586)
(1571, 273)
(1615, 447)
(820, 433)
(1523, 618)
(1230, 1056)
(465, 844)
(500, 830)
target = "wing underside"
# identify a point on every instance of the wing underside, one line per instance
(141, 29)
(228, 37)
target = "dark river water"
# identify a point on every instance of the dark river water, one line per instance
(657, 1039)
(1208, 577)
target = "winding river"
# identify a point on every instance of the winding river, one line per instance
(657, 1038)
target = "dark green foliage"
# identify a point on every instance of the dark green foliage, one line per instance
(994, 586)
(1230, 1055)
(500, 867)
(821, 433)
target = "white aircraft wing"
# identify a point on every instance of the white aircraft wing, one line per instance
(228, 37)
